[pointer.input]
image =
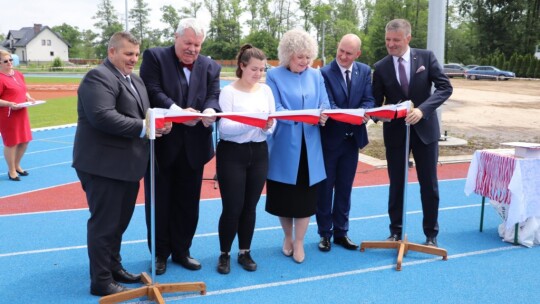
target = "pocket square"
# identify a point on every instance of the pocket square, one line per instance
(420, 69)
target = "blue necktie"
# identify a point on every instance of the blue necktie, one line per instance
(348, 80)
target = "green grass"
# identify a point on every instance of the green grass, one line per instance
(57, 111)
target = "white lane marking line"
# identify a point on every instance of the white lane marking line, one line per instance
(335, 275)
(209, 234)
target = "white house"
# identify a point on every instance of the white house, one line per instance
(38, 43)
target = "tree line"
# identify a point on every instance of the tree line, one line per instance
(476, 30)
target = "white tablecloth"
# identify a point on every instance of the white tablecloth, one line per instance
(512, 182)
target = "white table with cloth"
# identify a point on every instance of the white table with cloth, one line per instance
(513, 186)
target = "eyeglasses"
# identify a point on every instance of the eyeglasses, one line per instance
(6, 61)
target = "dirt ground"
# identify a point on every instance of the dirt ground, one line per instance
(483, 112)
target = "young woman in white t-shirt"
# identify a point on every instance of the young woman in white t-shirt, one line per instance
(242, 157)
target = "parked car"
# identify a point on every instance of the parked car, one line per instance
(453, 70)
(489, 72)
(470, 66)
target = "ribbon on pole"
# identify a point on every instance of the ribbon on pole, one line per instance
(350, 116)
(157, 117)
(253, 119)
(308, 116)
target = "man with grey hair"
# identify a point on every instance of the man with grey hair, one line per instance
(177, 77)
(408, 74)
(110, 156)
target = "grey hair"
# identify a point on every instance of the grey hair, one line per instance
(296, 41)
(117, 38)
(399, 25)
(193, 24)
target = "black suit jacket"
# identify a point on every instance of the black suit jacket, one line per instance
(360, 96)
(162, 73)
(425, 71)
(107, 140)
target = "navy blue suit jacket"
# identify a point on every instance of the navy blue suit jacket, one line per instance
(361, 96)
(425, 71)
(161, 73)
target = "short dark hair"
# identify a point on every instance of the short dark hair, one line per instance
(117, 37)
(247, 51)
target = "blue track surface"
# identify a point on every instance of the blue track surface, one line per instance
(43, 256)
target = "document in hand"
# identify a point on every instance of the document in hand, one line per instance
(31, 103)
(351, 116)
(307, 116)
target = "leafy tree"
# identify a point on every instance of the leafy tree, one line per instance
(88, 49)
(171, 18)
(108, 24)
(264, 41)
(191, 10)
(71, 35)
(225, 32)
(139, 16)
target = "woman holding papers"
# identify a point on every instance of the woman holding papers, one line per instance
(296, 163)
(14, 122)
(242, 157)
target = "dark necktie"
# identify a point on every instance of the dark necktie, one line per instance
(128, 78)
(403, 77)
(348, 80)
(188, 66)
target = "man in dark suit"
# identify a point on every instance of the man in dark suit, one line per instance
(408, 74)
(348, 84)
(177, 77)
(110, 156)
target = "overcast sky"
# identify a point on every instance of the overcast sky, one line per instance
(24, 13)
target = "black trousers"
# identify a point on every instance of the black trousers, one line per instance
(241, 173)
(111, 203)
(177, 196)
(425, 158)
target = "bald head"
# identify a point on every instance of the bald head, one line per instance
(348, 50)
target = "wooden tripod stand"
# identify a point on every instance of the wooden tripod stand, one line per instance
(151, 289)
(404, 245)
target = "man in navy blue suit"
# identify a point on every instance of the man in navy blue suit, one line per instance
(177, 77)
(348, 84)
(408, 74)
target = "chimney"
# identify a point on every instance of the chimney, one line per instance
(37, 28)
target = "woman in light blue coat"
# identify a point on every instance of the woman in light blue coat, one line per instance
(296, 163)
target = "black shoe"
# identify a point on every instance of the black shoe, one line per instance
(393, 238)
(246, 261)
(346, 242)
(188, 263)
(23, 172)
(224, 263)
(324, 244)
(109, 289)
(431, 241)
(161, 265)
(15, 179)
(123, 276)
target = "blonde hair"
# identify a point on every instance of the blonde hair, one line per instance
(296, 41)
(4, 53)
